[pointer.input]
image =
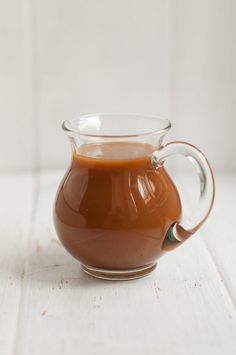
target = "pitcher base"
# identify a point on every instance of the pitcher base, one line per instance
(118, 275)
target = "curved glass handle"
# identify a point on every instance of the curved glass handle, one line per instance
(179, 232)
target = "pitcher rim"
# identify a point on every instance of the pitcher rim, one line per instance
(67, 125)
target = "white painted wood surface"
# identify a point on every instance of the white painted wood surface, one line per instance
(48, 306)
(58, 59)
(16, 91)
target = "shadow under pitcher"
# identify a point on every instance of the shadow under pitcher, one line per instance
(117, 209)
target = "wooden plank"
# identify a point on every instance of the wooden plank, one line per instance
(16, 87)
(182, 308)
(16, 216)
(219, 233)
(84, 67)
(204, 77)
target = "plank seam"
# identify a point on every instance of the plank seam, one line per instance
(35, 198)
(218, 269)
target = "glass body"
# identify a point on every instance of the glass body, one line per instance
(117, 210)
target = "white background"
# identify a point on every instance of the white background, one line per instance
(61, 58)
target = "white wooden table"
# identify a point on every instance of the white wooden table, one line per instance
(49, 307)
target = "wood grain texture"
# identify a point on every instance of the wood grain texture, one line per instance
(99, 57)
(185, 307)
(16, 86)
(59, 60)
(204, 77)
(16, 209)
(220, 231)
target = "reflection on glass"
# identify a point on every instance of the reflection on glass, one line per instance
(146, 188)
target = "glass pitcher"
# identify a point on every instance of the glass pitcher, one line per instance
(117, 210)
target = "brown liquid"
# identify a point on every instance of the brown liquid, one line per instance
(113, 209)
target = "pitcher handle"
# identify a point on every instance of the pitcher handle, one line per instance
(181, 231)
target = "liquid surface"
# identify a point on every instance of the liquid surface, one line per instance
(113, 209)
